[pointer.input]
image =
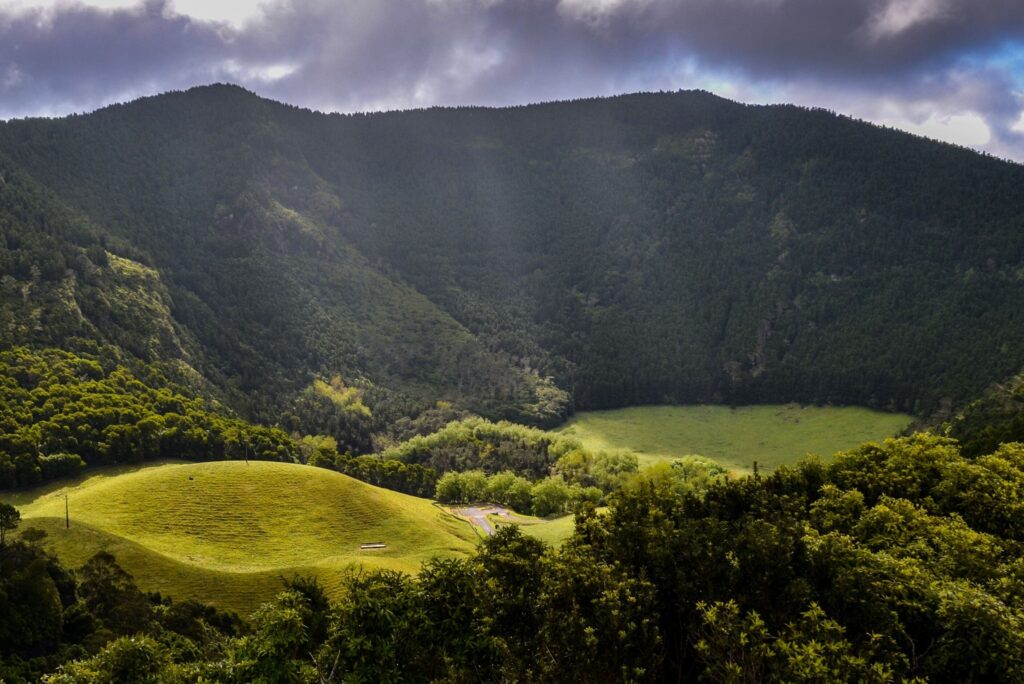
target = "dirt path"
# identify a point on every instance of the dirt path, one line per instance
(478, 516)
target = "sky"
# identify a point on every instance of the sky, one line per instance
(948, 69)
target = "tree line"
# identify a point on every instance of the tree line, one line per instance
(61, 411)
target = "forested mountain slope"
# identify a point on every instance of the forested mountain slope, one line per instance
(644, 248)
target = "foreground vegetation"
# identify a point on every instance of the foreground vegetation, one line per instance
(224, 532)
(732, 437)
(895, 561)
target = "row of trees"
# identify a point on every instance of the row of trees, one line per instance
(524, 468)
(572, 488)
(550, 496)
(475, 443)
(409, 478)
(478, 444)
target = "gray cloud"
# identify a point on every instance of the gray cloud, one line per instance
(880, 59)
(837, 38)
(79, 57)
(557, 44)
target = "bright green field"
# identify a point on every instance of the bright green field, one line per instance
(554, 531)
(772, 435)
(226, 532)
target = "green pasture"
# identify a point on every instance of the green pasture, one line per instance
(771, 435)
(554, 531)
(227, 532)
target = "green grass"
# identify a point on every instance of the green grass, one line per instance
(226, 532)
(772, 435)
(554, 531)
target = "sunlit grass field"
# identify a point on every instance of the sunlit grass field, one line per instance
(227, 532)
(772, 435)
(554, 531)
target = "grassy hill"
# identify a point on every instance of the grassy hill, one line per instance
(772, 435)
(225, 532)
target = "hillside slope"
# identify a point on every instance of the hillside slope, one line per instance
(646, 248)
(225, 532)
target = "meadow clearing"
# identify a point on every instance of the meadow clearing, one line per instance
(772, 435)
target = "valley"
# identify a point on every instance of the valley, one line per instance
(226, 532)
(732, 437)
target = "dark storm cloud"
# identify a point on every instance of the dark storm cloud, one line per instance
(370, 54)
(838, 38)
(549, 47)
(80, 57)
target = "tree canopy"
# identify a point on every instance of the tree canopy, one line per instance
(518, 262)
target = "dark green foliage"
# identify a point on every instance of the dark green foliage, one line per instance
(996, 417)
(987, 492)
(529, 470)
(10, 518)
(408, 478)
(278, 648)
(549, 496)
(380, 630)
(427, 422)
(335, 410)
(110, 595)
(648, 248)
(30, 603)
(890, 542)
(252, 284)
(738, 648)
(49, 616)
(467, 487)
(53, 466)
(193, 620)
(128, 659)
(210, 247)
(508, 489)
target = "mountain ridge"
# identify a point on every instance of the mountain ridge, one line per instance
(644, 248)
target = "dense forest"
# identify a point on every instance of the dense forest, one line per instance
(900, 561)
(520, 262)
